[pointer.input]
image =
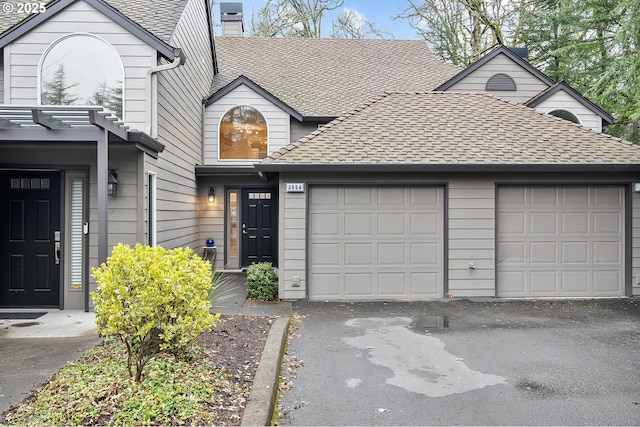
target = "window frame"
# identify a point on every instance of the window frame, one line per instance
(219, 131)
(60, 39)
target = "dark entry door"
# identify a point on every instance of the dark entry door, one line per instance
(259, 226)
(30, 239)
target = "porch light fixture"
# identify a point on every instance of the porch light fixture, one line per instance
(212, 195)
(112, 185)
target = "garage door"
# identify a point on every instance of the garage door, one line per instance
(560, 241)
(380, 242)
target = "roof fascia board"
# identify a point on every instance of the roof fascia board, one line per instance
(536, 100)
(488, 57)
(243, 80)
(167, 51)
(33, 21)
(472, 168)
(221, 170)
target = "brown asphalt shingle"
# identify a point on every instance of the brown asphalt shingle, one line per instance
(329, 77)
(453, 128)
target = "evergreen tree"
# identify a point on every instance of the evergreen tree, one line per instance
(57, 91)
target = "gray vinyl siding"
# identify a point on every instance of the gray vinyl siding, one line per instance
(277, 122)
(527, 84)
(23, 56)
(2, 77)
(180, 94)
(563, 101)
(471, 227)
(301, 129)
(470, 230)
(635, 243)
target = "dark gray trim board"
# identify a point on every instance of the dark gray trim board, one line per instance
(54, 7)
(533, 102)
(489, 56)
(422, 167)
(243, 80)
(218, 170)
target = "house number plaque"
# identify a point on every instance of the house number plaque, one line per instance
(295, 187)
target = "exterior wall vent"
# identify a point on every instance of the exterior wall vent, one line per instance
(501, 82)
(232, 19)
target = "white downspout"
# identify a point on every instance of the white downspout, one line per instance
(151, 127)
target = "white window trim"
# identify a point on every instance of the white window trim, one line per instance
(152, 209)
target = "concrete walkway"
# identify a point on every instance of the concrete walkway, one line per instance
(31, 350)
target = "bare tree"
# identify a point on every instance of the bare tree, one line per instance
(292, 18)
(460, 31)
(352, 25)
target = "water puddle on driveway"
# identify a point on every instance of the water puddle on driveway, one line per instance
(420, 363)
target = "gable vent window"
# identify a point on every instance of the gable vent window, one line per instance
(501, 82)
(243, 134)
(564, 114)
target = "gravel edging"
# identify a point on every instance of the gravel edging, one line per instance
(261, 403)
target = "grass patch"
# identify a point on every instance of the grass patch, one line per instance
(97, 390)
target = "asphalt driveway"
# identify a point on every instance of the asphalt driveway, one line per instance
(463, 362)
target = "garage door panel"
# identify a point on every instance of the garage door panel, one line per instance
(607, 253)
(543, 223)
(359, 284)
(607, 223)
(575, 282)
(575, 252)
(607, 282)
(325, 223)
(513, 223)
(324, 196)
(358, 254)
(573, 245)
(326, 254)
(425, 254)
(543, 282)
(543, 252)
(425, 284)
(390, 247)
(358, 224)
(576, 223)
(358, 197)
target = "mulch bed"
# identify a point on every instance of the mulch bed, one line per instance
(235, 345)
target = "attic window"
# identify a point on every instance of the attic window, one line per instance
(82, 69)
(243, 134)
(501, 82)
(564, 114)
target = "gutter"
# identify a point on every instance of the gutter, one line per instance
(151, 127)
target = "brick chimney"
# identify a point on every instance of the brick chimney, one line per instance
(231, 19)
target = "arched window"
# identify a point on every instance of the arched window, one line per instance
(82, 69)
(564, 114)
(243, 134)
(501, 82)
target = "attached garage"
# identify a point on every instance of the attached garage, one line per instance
(376, 242)
(560, 241)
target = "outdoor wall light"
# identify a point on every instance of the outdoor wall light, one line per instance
(212, 195)
(636, 187)
(112, 185)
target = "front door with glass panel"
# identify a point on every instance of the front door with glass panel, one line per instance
(30, 239)
(259, 226)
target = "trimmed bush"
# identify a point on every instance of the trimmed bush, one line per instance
(154, 300)
(262, 281)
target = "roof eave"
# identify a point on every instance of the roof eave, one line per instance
(56, 6)
(463, 167)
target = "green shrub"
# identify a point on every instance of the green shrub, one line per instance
(154, 300)
(262, 281)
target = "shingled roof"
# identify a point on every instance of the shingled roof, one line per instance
(159, 18)
(448, 131)
(328, 77)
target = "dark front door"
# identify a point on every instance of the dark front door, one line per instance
(30, 239)
(259, 226)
